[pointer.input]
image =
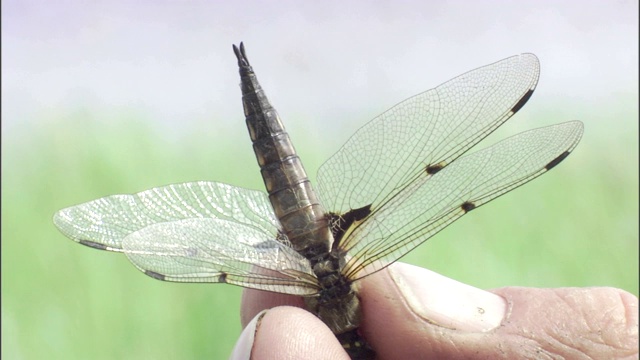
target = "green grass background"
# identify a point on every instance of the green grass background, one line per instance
(576, 226)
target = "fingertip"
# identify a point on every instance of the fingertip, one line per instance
(447, 302)
(292, 333)
(421, 312)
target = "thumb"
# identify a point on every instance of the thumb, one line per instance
(410, 312)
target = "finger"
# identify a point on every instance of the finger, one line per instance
(409, 312)
(406, 315)
(287, 333)
(593, 323)
(254, 301)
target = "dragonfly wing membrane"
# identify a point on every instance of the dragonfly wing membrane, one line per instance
(429, 130)
(431, 203)
(219, 251)
(105, 222)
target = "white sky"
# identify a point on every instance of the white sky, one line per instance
(326, 62)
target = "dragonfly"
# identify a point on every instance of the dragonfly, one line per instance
(396, 182)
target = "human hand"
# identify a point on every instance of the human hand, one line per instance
(413, 313)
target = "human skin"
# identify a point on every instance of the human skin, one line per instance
(413, 313)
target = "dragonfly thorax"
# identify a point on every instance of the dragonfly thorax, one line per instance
(327, 269)
(336, 305)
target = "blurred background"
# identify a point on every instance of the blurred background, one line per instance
(108, 97)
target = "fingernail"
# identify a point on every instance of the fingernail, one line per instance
(244, 345)
(446, 302)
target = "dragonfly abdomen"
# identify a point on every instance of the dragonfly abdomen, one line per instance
(290, 192)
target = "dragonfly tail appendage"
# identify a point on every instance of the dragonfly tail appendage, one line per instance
(243, 61)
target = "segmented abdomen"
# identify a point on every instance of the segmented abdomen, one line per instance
(290, 192)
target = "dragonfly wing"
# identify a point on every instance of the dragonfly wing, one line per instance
(105, 222)
(429, 130)
(430, 203)
(219, 251)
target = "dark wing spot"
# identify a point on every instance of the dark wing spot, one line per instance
(155, 275)
(341, 223)
(522, 101)
(557, 160)
(467, 206)
(94, 245)
(223, 278)
(359, 214)
(434, 168)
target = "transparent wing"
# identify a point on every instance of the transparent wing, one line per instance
(430, 204)
(194, 232)
(429, 130)
(219, 251)
(105, 222)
